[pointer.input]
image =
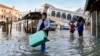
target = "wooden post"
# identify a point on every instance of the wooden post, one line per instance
(32, 27)
(27, 26)
(24, 25)
(35, 25)
(11, 27)
(20, 26)
(16, 27)
(7, 26)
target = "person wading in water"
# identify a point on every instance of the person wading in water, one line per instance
(44, 24)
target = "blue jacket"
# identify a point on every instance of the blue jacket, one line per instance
(46, 23)
(80, 27)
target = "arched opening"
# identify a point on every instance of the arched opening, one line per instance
(64, 15)
(53, 13)
(74, 19)
(69, 16)
(58, 14)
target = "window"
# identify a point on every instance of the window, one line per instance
(5, 11)
(2, 10)
(53, 13)
(69, 16)
(2, 16)
(74, 19)
(64, 15)
(10, 12)
(58, 14)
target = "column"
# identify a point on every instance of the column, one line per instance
(94, 23)
(91, 23)
(98, 23)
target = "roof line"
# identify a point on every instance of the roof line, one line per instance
(8, 7)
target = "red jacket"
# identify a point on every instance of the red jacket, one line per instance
(72, 26)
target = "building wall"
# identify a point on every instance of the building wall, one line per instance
(94, 23)
(92, 6)
(9, 12)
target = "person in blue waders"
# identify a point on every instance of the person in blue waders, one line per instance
(43, 24)
(80, 27)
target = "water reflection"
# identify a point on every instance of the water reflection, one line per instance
(72, 37)
(60, 44)
(81, 46)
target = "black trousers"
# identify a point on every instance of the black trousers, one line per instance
(72, 31)
(46, 31)
(80, 33)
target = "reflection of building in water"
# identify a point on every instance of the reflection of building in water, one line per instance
(59, 13)
(9, 12)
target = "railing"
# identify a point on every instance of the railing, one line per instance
(58, 19)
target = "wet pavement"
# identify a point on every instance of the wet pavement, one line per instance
(60, 44)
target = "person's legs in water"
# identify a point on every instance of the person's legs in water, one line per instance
(71, 32)
(43, 47)
(80, 34)
(47, 31)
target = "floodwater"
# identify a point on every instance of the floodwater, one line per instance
(60, 44)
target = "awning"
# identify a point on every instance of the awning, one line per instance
(33, 15)
(92, 5)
